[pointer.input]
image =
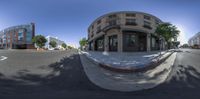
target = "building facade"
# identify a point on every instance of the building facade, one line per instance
(49, 39)
(18, 37)
(195, 40)
(125, 31)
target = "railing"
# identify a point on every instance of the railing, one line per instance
(147, 26)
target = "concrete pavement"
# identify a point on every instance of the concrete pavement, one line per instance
(127, 81)
(127, 62)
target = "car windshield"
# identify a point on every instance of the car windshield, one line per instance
(99, 49)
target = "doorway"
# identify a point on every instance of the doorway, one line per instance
(113, 43)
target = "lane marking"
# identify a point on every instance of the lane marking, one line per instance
(3, 58)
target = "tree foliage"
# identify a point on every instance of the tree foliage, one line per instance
(64, 45)
(39, 40)
(53, 44)
(69, 47)
(83, 42)
(168, 31)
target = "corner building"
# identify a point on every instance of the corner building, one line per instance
(18, 37)
(125, 31)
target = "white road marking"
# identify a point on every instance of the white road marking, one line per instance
(3, 58)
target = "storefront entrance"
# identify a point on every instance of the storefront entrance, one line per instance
(113, 43)
(99, 44)
(134, 41)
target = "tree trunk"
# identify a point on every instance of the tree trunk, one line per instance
(168, 45)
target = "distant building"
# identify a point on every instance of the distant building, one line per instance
(49, 39)
(18, 37)
(195, 40)
(125, 31)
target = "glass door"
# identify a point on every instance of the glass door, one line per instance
(113, 43)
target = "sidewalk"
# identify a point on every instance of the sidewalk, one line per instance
(127, 82)
(127, 62)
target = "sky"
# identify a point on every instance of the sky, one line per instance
(69, 19)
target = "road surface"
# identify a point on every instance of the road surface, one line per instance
(42, 75)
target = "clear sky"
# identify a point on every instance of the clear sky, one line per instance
(69, 19)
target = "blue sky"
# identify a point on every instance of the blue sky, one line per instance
(69, 19)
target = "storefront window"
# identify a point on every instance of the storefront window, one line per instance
(130, 40)
(100, 44)
(113, 43)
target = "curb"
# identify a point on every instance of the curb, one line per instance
(150, 66)
(129, 82)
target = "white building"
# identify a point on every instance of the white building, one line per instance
(195, 40)
(49, 39)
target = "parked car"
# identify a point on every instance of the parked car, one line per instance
(56, 49)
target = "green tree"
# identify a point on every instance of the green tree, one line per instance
(168, 31)
(39, 40)
(53, 44)
(64, 45)
(83, 42)
(185, 45)
(69, 47)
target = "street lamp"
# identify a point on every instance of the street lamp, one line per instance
(160, 40)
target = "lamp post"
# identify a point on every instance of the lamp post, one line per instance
(160, 40)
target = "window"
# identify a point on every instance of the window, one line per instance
(20, 35)
(157, 22)
(98, 29)
(112, 22)
(130, 40)
(92, 34)
(112, 16)
(88, 36)
(99, 21)
(131, 22)
(92, 26)
(100, 43)
(147, 17)
(130, 15)
(28, 37)
(8, 40)
(147, 25)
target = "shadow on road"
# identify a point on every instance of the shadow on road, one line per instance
(66, 79)
(183, 83)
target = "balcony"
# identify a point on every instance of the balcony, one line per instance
(111, 26)
(99, 30)
(131, 23)
(147, 26)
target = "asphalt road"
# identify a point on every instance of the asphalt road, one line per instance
(42, 75)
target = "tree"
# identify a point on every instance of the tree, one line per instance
(69, 47)
(64, 45)
(168, 32)
(83, 42)
(185, 45)
(53, 44)
(39, 40)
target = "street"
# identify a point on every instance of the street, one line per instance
(28, 74)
